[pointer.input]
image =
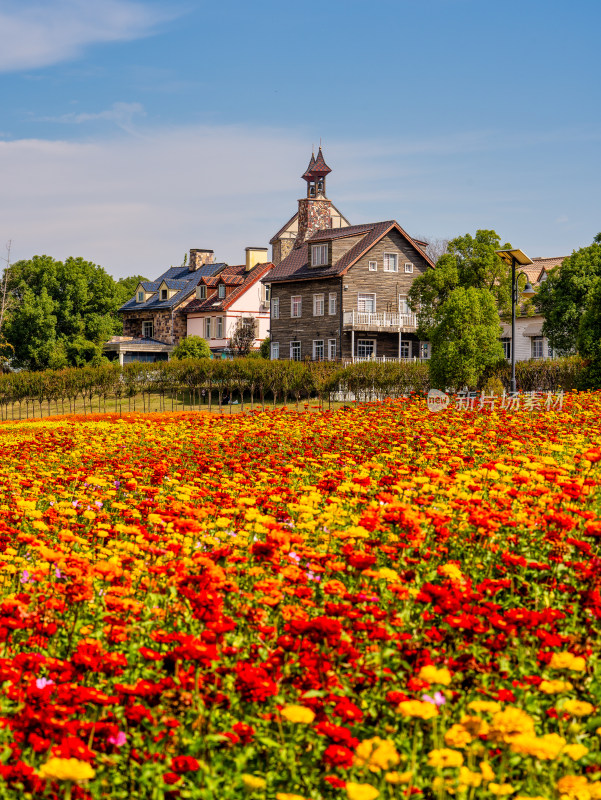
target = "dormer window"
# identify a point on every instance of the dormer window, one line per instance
(319, 255)
(221, 291)
(164, 294)
(140, 297)
(201, 292)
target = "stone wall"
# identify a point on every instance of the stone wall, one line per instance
(313, 215)
(163, 330)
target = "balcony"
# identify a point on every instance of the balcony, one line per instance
(387, 321)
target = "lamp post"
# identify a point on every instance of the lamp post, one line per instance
(515, 257)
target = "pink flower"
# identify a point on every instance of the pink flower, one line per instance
(437, 700)
(118, 740)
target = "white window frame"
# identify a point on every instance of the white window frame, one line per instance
(366, 297)
(403, 304)
(318, 350)
(332, 304)
(201, 292)
(275, 351)
(145, 324)
(221, 291)
(295, 350)
(296, 305)
(363, 343)
(319, 255)
(318, 305)
(141, 297)
(219, 328)
(391, 262)
(408, 266)
(405, 348)
(275, 308)
(331, 349)
(373, 266)
(424, 349)
(267, 293)
(506, 345)
(207, 328)
(536, 345)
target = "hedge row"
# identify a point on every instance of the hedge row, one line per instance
(246, 379)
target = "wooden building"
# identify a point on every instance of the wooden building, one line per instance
(341, 292)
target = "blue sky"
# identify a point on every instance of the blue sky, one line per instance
(132, 130)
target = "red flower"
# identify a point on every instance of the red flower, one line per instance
(181, 764)
(336, 755)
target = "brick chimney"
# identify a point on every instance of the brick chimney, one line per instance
(199, 257)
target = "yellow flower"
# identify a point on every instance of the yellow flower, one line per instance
(288, 796)
(253, 782)
(444, 758)
(578, 708)
(397, 777)
(66, 769)
(542, 747)
(417, 708)
(433, 675)
(475, 726)
(567, 661)
(452, 572)
(457, 736)
(555, 687)
(501, 789)
(575, 751)
(509, 723)
(469, 778)
(486, 770)
(376, 754)
(526, 797)
(573, 786)
(484, 705)
(298, 714)
(361, 791)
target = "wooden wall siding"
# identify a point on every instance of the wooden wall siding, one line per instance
(387, 344)
(305, 328)
(386, 285)
(342, 246)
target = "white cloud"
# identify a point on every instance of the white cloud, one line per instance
(43, 32)
(137, 204)
(122, 114)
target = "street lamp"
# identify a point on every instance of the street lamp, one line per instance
(515, 257)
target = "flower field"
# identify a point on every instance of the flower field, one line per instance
(372, 602)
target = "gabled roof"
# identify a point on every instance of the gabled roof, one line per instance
(320, 168)
(535, 270)
(294, 217)
(296, 267)
(179, 278)
(233, 276)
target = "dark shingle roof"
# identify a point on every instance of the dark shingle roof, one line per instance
(179, 278)
(295, 266)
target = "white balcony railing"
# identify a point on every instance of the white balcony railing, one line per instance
(382, 320)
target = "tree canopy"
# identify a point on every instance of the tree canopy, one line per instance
(470, 262)
(192, 347)
(565, 297)
(61, 313)
(466, 339)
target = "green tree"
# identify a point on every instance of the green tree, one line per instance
(466, 339)
(565, 296)
(60, 312)
(589, 336)
(265, 348)
(470, 262)
(192, 347)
